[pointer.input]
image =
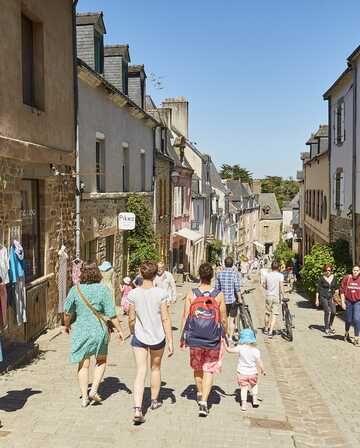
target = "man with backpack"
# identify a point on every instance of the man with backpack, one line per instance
(228, 282)
(203, 327)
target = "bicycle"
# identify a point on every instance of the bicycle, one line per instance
(244, 319)
(287, 318)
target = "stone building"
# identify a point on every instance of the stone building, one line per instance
(270, 222)
(37, 149)
(116, 142)
(316, 191)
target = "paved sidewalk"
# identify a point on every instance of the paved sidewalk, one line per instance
(40, 406)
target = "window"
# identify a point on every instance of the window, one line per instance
(30, 229)
(318, 205)
(324, 214)
(143, 171)
(100, 166)
(313, 204)
(161, 197)
(339, 190)
(339, 122)
(32, 61)
(179, 200)
(99, 52)
(89, 251)
(321, 211)
(125, 169)
(109, 248)
(164, 198)
(163, 140)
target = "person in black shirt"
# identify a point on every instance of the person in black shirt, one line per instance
(326, 288)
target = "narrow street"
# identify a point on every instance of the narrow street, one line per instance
(308, 398)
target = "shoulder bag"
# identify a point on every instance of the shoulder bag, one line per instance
(109, 326)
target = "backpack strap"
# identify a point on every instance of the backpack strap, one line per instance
(196, 292)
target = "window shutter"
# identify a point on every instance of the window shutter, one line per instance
(342, 121)
(335, 125)
(334, 190)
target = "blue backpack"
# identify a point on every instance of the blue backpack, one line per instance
(203, 327)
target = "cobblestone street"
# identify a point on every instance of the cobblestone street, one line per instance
(308, 397)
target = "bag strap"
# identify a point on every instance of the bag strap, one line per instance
(91, 308)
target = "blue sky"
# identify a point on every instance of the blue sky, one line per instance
(253, 71)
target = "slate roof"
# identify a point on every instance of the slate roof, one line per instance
(268, 201)
(296, 201)
(117, 50)
(238, 190)
(91, 18)
(149, 103)
(215, 178)
(136, 68)
(323, 131)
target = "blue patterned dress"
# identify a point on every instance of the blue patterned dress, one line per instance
(89, 336)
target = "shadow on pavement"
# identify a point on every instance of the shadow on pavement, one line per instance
(304, 304)
(316, 327)
(166, 393)
(112, 385)
(16, 399)
(214, 398)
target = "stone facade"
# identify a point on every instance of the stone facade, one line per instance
(341, 229)
(37, 143)
(163, 202)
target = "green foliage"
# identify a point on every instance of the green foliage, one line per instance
(285, 189)
(142, 241)
(283, 253)
(215, 251)
(235, 172)
(336, 254)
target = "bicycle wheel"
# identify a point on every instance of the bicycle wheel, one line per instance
(289, 325)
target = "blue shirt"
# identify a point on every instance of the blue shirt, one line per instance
(228, 282)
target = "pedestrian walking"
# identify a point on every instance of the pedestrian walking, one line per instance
(165, 280)
(350, 301)
(274, 286)
(125, 289)
(92, 306)
(327, 287)
(203, 328)
(150, 325)
(228, 282)
(249, 366)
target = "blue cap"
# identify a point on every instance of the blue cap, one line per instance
(247, 336)
(105, 266)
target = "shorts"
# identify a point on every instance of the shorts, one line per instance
(272, 305)
(207, 359)
(231, 309)
(247, 380)
(136, 343)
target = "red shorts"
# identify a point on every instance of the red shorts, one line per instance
(206, 359)
(247, 380)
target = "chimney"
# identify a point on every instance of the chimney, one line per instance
(256, 186)
(180, 113)
(165, 114)
(137, 84)
(90, 30)
(116, 60)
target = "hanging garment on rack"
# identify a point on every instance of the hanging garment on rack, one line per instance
(3, 306)
(4, 264)
(1, 353)
(62, 278)
(17, 276)
(76, 271)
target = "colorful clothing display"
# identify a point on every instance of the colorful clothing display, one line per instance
(17, 276)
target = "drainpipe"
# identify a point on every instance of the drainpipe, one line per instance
(77, 155)
(354, 68)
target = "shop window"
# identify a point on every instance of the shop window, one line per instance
(109, 248)
(89, 251)
(32, 62)
(31, 238)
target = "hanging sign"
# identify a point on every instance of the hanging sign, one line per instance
(126, 221)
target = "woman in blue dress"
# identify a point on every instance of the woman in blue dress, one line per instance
(89, 334)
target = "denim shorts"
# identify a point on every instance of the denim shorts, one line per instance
(136, 343)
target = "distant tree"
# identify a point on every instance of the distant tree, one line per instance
(235, 172)
(285, 189)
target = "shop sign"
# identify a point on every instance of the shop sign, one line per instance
(126, 221)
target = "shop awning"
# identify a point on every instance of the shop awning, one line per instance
(189, 234)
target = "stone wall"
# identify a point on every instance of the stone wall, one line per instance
(340, 229)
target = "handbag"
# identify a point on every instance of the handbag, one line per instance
(110, 327)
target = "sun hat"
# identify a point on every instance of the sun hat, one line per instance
(105, 266)
(247, 336)
(127, 280)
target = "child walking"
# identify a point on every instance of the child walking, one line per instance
(248, 367)
(125, 289)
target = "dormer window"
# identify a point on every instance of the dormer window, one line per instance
(266, 210)
(99, 52)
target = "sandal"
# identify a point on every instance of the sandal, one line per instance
(85, 402)
(95, 398)
(155, 404)
(138, 419)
